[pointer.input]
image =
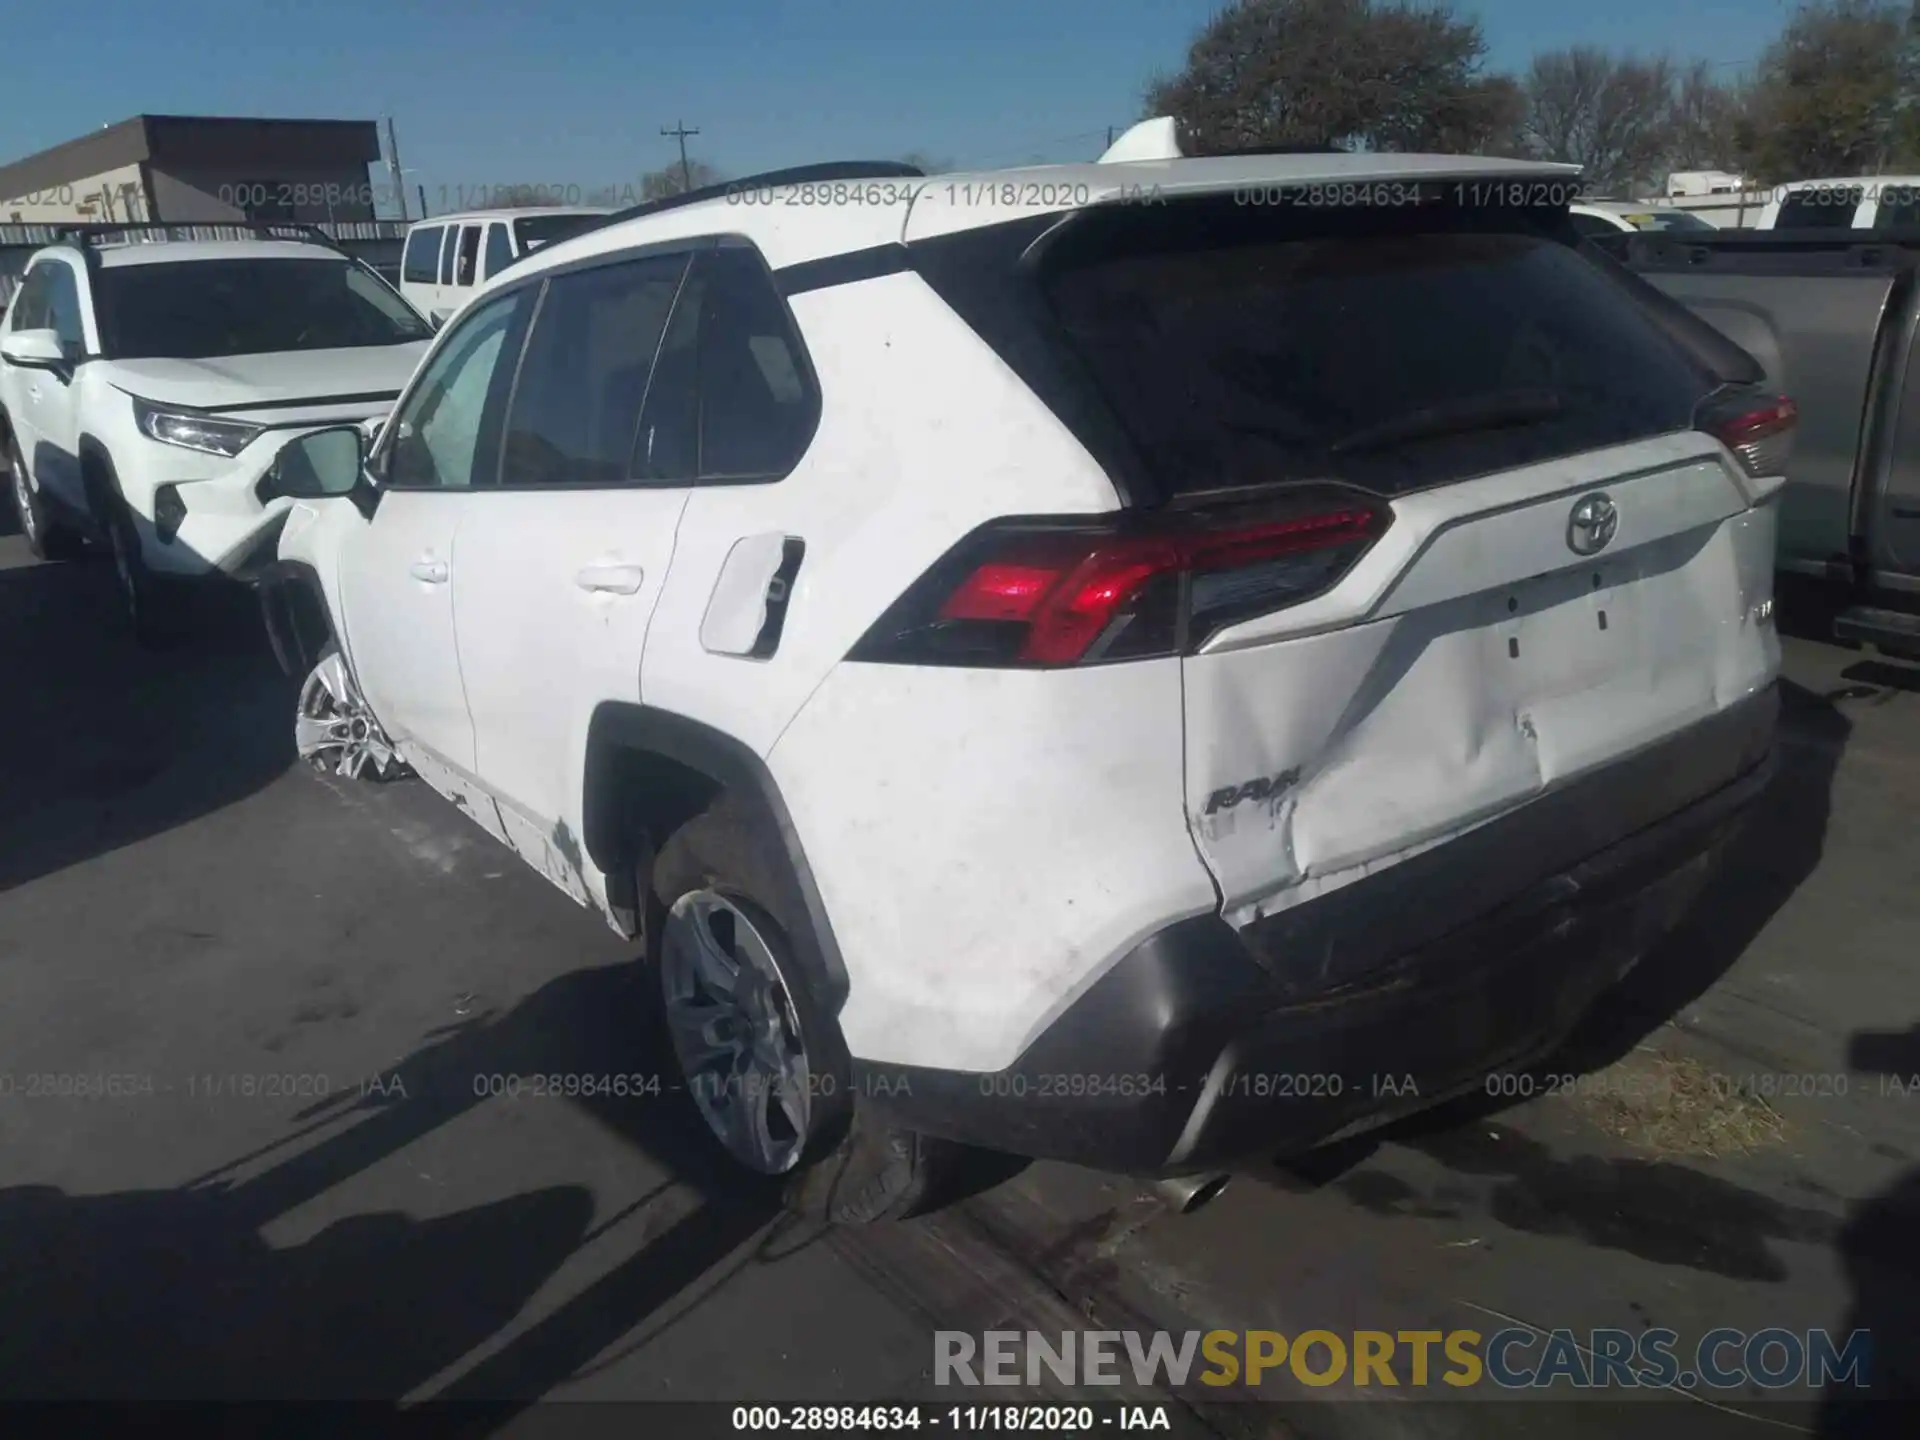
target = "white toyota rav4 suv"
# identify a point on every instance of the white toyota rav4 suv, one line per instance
(1137, 663)
(147, 381)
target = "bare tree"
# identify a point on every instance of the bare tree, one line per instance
(927, 164)
(1344, 72)
(659, 184)
(1611, 114)
(1709, 129)
(1834, 95)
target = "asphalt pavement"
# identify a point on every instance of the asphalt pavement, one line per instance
(253, 1022)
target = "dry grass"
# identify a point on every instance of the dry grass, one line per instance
(1677, 1107)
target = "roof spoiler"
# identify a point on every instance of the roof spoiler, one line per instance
(1155, 139)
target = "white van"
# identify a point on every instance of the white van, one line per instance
(1867, 202)
(448, 257)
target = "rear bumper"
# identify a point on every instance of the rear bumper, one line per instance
(1204, 1045)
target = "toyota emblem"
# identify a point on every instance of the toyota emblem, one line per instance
(1592, 525)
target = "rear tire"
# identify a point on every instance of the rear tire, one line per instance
(48, 536)
(840, 1162)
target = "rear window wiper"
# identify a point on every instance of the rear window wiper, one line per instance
(1497, 411)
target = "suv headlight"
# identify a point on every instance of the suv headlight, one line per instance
(191, 431)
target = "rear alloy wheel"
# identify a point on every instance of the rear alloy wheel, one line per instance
(760, 1056)
(334, 729)
(734, 1030)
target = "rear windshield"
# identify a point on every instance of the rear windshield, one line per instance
(1391, 349)
(533, 231)
(197, 309)
(1667, 220)
(1822, 207)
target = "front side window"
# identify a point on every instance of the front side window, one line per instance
(447, 247)
(202, 309)
(437, 435)
(576, 405)
(30, 305)
(63, 308)
(422, 262)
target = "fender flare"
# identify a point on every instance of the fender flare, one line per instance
(615, 843)
(279, 584)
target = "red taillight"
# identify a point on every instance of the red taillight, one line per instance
(1035, 592)
(1759, 433)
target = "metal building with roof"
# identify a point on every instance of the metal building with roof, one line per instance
(200, 168)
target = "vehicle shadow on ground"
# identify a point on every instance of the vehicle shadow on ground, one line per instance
(1656, 1209)
(1880, 1248)
(175, 1295)
(108, 743)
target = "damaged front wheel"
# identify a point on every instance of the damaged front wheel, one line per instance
(335, 730)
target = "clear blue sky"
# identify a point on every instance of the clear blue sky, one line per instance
(574, 92)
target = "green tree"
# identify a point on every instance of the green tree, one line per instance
(1834, 94)
(1354, 73)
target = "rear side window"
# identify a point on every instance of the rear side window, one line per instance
(466, 267)
(576, 407)
(499, 252)
(1821, 207)
(1898, 208)
(421, 263)
(733, 398)
(1393, 349)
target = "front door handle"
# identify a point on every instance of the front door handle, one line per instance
(616, 579)
(434, 572)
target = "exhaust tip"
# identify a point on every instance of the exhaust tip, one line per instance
(1185, 1194)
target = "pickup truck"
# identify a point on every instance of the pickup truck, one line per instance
(1832, 317)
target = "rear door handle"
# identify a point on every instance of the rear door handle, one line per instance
(434, 572)
(616, 579)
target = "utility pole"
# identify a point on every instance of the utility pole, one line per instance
(1109, 137)
(393, 169)
(680, 133)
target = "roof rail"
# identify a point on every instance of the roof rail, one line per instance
(94, 232)
(1302, 147)
(798, 175)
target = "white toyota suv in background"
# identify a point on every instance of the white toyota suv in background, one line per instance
(1139, 663)
(146, 383)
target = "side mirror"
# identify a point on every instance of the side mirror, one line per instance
(320, 465)
(34, 350)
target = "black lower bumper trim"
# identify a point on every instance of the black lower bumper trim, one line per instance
(1203, 1045)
